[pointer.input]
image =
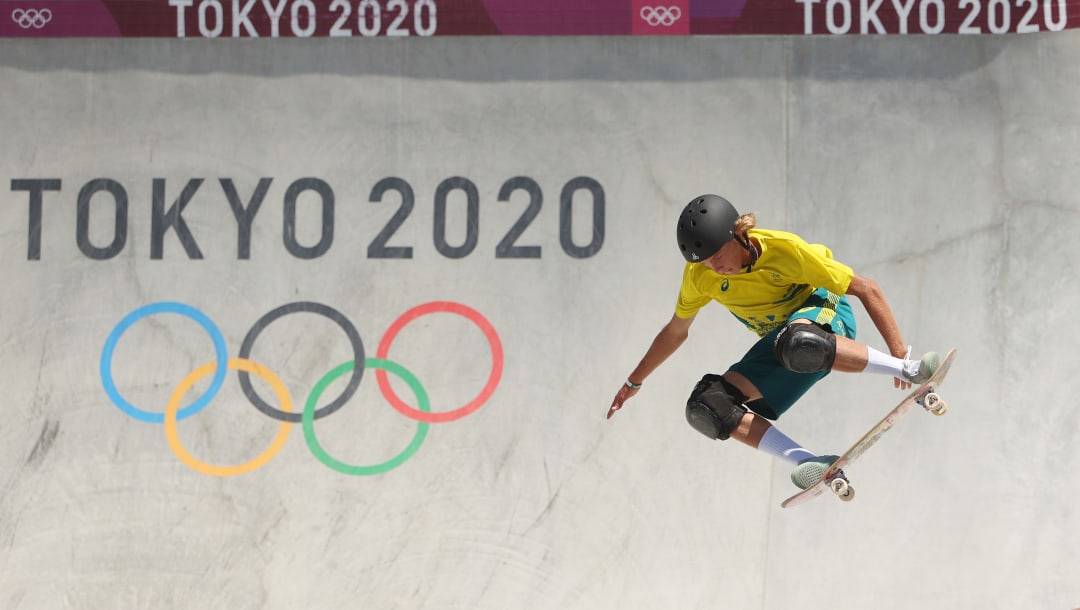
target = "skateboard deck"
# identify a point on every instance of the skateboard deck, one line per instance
(925, 395)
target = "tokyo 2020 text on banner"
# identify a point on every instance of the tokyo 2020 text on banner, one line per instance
(424, 18)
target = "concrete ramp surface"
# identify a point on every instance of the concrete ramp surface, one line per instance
(335, 324)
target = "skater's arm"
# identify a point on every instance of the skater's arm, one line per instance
(873, 299)
(670, 337)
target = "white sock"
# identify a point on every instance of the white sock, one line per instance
(777, 444)
(879, 362)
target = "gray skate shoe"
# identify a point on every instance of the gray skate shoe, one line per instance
(921, 371)
(811, 470)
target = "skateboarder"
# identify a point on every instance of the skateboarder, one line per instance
(792, 294)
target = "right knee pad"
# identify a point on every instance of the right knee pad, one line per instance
(715, 407)
(805, 348)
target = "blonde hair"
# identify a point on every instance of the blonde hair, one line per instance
(745, 223)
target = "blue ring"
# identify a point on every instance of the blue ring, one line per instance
(149, 310)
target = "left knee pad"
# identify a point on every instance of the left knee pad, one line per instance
(805, 348)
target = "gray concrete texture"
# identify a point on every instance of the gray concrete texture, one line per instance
(941, 167)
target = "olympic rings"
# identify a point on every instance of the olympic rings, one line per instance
(284, 413)
(660, 15)
(31, 18)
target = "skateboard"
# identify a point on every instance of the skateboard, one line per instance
(834, 480)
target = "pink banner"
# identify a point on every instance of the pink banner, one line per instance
(367, 18)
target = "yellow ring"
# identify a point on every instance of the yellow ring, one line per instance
(173, 408)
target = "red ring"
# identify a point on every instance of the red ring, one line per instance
(433, 307)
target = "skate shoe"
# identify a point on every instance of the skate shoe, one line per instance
(919, 372)
(810, 471)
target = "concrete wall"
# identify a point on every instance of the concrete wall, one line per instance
(941, 167)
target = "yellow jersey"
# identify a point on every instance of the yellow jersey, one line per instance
(787, 272)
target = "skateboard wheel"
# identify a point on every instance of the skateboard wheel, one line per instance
(934, 404)
(842, 489)
(839, 486)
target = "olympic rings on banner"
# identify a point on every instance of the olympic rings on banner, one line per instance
(31, 18)
(284, 412)
(660, 15)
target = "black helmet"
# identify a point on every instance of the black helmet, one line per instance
(705, 225)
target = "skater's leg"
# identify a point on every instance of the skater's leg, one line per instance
(751, 428)
(805, 347)
(854, 357)
(759, 433)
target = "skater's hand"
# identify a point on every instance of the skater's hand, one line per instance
(624, 393)
(901, 384)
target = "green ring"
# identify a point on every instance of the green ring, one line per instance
(308, 418)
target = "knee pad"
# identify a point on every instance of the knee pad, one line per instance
(805, 348)
(715, 407)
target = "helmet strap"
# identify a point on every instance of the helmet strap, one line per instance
(751, 248)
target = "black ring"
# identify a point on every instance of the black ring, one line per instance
(322, 310)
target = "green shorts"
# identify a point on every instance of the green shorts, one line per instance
(781, 388)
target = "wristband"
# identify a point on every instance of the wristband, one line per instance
(632, 385)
